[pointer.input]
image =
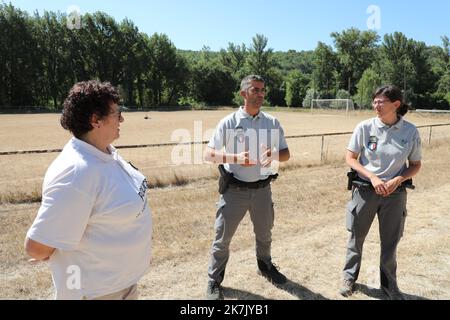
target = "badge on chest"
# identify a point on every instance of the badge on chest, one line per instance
(240, 134)
(373, 143)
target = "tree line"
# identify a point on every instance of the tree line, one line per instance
(41, 58)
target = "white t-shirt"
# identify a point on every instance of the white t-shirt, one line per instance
(94, 211)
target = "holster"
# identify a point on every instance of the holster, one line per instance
(224, 179)
(408, 184)
(352, 175)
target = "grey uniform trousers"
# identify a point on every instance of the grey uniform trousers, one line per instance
(361, 211)
(231, 209)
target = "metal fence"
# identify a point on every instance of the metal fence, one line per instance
(158, 145)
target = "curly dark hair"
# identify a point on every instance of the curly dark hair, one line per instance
(84, 100)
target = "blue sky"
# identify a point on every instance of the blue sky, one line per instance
(289, 24)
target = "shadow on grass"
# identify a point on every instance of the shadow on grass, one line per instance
(300, 291)
(236, 294)
(379, 294)
(290, 287)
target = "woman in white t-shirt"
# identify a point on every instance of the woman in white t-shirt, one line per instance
(94, 226)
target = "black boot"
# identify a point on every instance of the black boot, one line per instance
(214, 291)
(270, 272)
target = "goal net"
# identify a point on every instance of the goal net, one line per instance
(332, 104)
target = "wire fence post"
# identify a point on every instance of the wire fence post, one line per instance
(321, 150)
(429, 138)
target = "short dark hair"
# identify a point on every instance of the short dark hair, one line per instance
(84, 100)
(245, 83)
(393, 93)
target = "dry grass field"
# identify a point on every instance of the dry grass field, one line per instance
(309, 236)
(21, 175)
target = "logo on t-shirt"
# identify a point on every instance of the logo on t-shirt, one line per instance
(373, 143)
(142, 192)
(143, 188)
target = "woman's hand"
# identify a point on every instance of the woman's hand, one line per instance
(393, 184)
(37, 251)
(380, 187)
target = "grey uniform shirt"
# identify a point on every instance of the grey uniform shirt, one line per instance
(239, 132)
(384, 150)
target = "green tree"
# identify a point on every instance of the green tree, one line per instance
(176, 82)
(131, 48)
(294, 60)
(439, 57)
(446, 48)
(296, 86)
(260, 61)
(19, 57)
(368, 83)
(325, 62)
(440, 60)
(260, 58)
(405, 62)
(3, 67)
(276, 88)
(234, 59)
(212, 84)
(103, 46)
(443, 91)
(167, 71)
(447, 99)
(81, 65)
(53, 51)
(356, 51)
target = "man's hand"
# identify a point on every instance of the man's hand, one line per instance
(244, 160)
(266, 158)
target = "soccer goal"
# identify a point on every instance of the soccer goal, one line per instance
(332, 104)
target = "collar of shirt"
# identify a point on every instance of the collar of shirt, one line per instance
(80, 144)
(398, 125)
(244, 115)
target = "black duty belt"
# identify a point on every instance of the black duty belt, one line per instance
(354, 181)
(252, 185)
(365, 185)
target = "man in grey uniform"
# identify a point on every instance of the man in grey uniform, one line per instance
(384, 145)
(246, 142)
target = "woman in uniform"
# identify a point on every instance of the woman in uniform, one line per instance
(385, 151)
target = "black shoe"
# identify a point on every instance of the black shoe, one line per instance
(270, 272)
(214, 291)
(348, 287)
